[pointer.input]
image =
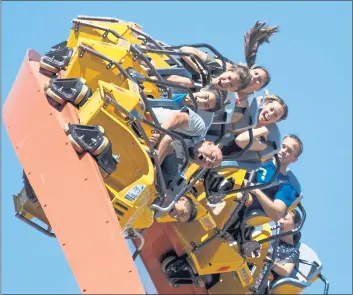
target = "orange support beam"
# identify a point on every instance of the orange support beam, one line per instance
(69, 187)
(159, 239)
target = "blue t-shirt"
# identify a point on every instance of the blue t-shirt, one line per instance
(283, 191)
(178, 98)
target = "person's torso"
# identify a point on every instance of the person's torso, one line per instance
(195, 127)
(265, 173)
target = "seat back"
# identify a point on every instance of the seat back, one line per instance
(208, 118)
(303, 275)
(251, 112)
(294, 180)
(274, 137)
(224, 116)
(305, 271)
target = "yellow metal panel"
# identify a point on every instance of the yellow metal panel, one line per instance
(135, 168)
(287, 289)
(95, 34)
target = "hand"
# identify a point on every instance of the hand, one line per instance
(249, 201)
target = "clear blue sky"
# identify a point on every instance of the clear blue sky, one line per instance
(311, 65)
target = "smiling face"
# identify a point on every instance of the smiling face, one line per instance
(206, 100)
(289, 150)
(229, 81)
(182, 210)
(271, 112)
(259, 78)
(208, 155)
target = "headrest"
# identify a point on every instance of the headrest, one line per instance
(207, 118)
(294, 181)
(307, 254)
(274, 134)
(268, 152)
(224, 116)
(251, 111)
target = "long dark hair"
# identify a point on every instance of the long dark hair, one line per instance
(253, 39)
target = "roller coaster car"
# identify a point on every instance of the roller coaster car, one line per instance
(115, 34)
(234, 250)
(112, 31)
(222, 242)
(96, 61)
(105, 117)
(203, 269)
(104, 39)
(306, 272)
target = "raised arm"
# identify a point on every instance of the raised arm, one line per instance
(202, 55)
(176, 120)
(243, 139)
(273, 209)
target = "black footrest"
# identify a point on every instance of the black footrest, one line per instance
(73, 90)
(91, 139)
(57, 60)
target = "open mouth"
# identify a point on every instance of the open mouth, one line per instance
(172, 212)
(220, 84)
(265, 117)
(200, 157)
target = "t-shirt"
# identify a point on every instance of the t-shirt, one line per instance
(214, 67)
(283, 190)
(196, 125)
(206, 116)
(286, 253)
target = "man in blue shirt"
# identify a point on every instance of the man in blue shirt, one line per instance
(276, 199)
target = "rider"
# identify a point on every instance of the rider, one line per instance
(274, 110)
(260, 76)
(276, 199)
(184, 210)
(287, 253)
(236, 78)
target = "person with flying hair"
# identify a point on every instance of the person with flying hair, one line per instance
(259, 75)
(253, 39)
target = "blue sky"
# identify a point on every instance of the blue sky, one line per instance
(310, 62)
